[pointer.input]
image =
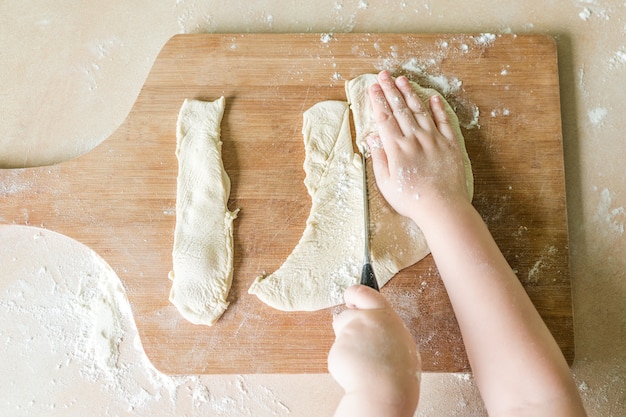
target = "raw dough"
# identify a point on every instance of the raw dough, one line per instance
(329, 256)
(203, 239)
(327, 259)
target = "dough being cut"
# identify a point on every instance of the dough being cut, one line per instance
(329, 256)
(327, 259)
(203, 239)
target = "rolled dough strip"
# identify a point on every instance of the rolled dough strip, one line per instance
(203, 240)
(326, 260)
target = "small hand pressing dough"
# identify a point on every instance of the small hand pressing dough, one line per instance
(203, 238)
(329, 256)
(396, 241)
(358, 96)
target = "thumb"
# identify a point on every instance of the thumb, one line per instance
(358, 297)
(362, 297)
(378, 156)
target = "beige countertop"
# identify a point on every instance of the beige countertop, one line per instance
(70, 74)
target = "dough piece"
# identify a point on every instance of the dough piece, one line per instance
(329, 256)
(203, 238)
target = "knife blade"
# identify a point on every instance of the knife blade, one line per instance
(367, 273)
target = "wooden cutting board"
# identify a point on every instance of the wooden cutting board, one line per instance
(119, 199)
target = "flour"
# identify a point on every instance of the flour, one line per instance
(326, 37)
(100, 53)
(543, 262)
(618, 59)
(500, 112)
(12, 188)
(425, 71)
(591, 8)
(69, 341)
(611, 218)
(467, 112)
(420, 69)
(12, 184)
(585, 14)
(597, 115)
(485, 39)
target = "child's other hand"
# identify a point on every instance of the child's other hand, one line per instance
(374, 357)
(417, 159)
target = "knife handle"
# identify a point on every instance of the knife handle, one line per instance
(367, 276)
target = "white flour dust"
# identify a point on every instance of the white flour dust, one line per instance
(618, 59)
(421, 70)
(592, 9)
(425, 71)
(597, 115)
(534, 274)
(70, 344)
(611, 218)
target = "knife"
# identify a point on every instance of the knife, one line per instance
(367, 273)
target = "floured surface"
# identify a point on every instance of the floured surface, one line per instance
(74, 348)
(520, 194)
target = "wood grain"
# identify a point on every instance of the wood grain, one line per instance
(119, 199)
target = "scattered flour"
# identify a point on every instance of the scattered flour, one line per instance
(593, 9)
(485, 39)
(612, 218)
(597, 115)
(500, 112)
(618, 59)
(542, 262)
(9, 188)
(425, 71)
(420, 70)
(585, 14)
(326, 37)
(100, 53)
(473, 122)
(69, 341)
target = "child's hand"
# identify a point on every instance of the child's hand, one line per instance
(417, 159)
(374, 357)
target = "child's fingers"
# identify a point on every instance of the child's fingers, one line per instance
(364, 298)
(380, 164)
(419, 113)
(397, 100)
(383, 115)
(359, 299)
(441, 118)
